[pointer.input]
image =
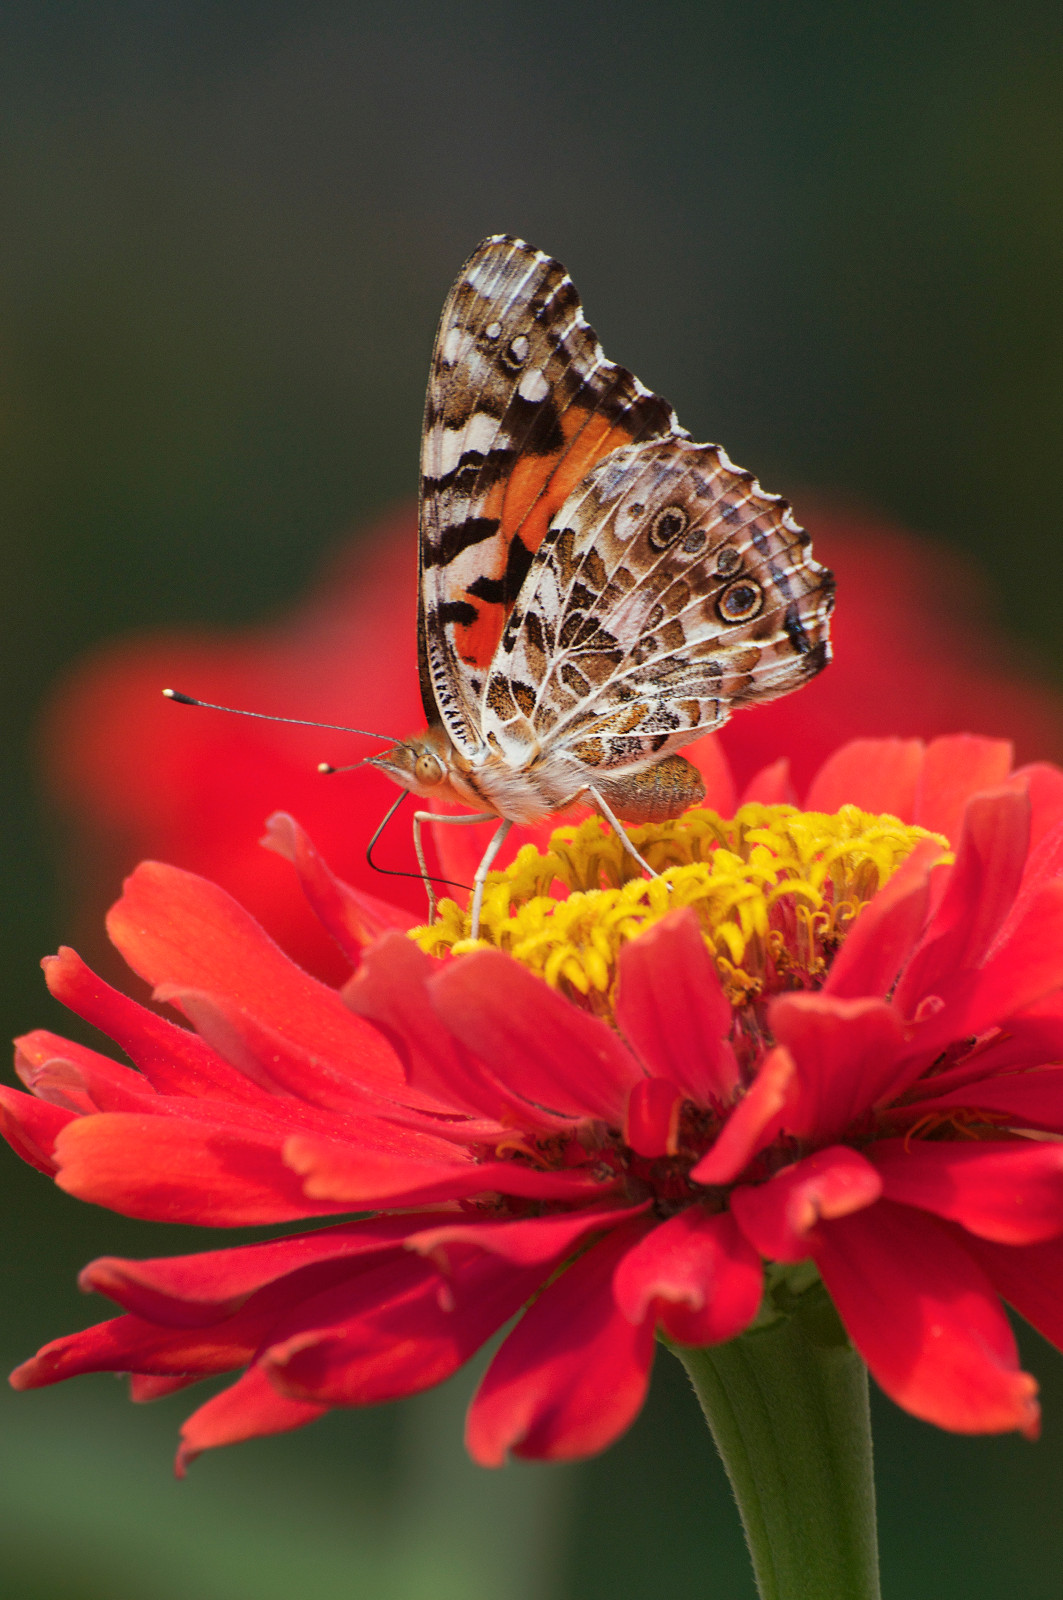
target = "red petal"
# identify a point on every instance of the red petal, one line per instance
(390, 989)
(171, 1170)
(781, 1217)
(529, 1241)
(1031, 1099)
(175, 928)
(1011, 1192)
(651, 1122)
(172, 1059)
(753, 1123)
(1030, 1277)
(360, 1179)
(981, 889)
(1044, 784)
(925, 1318)
(31, 1127)
(352, 917)
(573, 1373)
(886, 931)
(248, 1409)
(79, 1079)
(1044, 862)
(708, 755)
(131, 1344)
(771, 786)
(197, 1290)
(1034, 1036)
(538, 1044)
(145, 1387)
(846, 1054)
(1025, 967)
(696, 1273)
(671, 1007)
(875, 774)
(276, 1062)
(400, 1329)
(955, 768)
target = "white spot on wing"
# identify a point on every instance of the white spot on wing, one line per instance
(479, 433)
(533, 386)
(455, 345)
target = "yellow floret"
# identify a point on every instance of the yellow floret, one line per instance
(775, 890)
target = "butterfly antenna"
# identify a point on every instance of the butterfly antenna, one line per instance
(327, 769)
(397, 872)
(265, 716)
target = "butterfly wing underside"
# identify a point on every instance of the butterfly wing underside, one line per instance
(669, 590)
(522, 404)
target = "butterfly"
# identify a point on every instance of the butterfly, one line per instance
(596, 590)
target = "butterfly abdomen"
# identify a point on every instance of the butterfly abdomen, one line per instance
(654, 794)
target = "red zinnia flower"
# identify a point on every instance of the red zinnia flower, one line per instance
(817, 1041)
(913, 654)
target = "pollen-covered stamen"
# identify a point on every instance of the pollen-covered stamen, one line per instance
(775, 890)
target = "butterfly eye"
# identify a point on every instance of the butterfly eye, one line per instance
(667, 526)
(741, 601)
(427, 770)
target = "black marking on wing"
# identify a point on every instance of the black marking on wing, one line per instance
(474, 469)
(543, 435)
(795, 630)
(455, 611)
(506, 588)
(818, 657)
(460, 536)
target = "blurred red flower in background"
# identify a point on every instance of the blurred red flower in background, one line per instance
(135, 776)
(842, 1050)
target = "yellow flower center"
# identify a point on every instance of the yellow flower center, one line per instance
(775, 890)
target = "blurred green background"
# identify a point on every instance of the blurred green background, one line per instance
(831, 234)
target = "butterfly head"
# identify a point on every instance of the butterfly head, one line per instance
(425, 765)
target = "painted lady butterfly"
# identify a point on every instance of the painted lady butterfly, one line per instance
(596, 590)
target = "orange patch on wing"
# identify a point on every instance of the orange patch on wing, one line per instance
(477, 642)
(539, 485)
(525, 503)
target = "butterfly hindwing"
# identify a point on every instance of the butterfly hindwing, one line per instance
(669, 590)
(521, 406)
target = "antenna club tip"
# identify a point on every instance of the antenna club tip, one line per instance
(325, 767)
(182, 699)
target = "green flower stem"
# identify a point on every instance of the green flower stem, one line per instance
(787, 1405)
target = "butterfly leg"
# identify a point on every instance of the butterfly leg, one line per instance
(618, 828)
(421, 817)
(494, 845)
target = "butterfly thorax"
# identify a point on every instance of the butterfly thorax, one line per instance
(430, 765)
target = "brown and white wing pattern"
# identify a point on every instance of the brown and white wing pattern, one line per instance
(669, 590)
(521, 406)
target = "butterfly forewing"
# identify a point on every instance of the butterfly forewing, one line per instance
(521, 406)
